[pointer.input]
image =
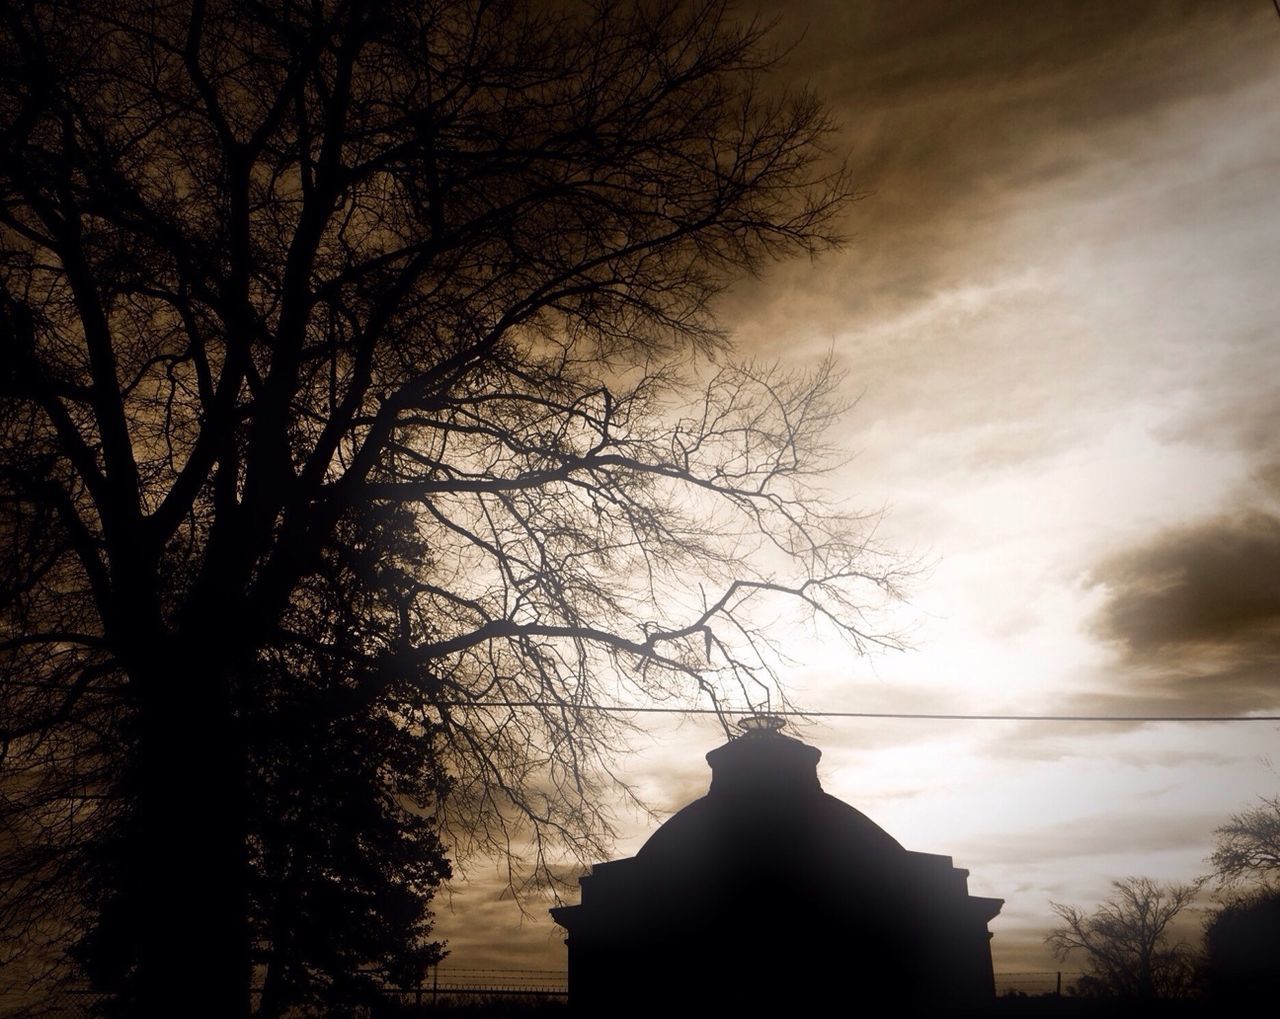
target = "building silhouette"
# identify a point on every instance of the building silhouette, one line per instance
(768, 894)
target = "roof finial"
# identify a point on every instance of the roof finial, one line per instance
(761, 722)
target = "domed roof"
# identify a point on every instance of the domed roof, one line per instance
(769, 897)
(766, 802)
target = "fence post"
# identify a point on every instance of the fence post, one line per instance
(1058, 992)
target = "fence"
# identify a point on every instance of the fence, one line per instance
(1036, 983)
(449, 985)
(448, 982)
(441, 986)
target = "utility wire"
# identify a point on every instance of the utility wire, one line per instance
(622, 709)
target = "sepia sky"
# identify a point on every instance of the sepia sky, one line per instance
(1058, 315)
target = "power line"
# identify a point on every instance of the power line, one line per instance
(622, 709)
(913, 716)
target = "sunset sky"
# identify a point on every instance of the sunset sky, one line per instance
(1058, 315)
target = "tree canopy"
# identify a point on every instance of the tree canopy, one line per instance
(1240, 938)
(365, 426)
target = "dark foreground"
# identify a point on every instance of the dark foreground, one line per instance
(508, 1006)
(1008, 1007)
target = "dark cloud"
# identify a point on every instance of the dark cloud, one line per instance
(952, 111)
(1212, 586)
(1196, 615)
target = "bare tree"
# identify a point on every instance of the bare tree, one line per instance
(1127, 940)
(1248, 845)
(360, 375)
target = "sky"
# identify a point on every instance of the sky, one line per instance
(1057, 314)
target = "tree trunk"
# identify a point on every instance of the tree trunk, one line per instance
(189, 865)
(275, 990)
(1146, 979)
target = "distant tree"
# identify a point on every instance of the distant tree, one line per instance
(363, 416)
(1242, 949)
(1248, 845)
(1126, 941)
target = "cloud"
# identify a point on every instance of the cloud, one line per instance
(1026, 742)
(956, 113)
(484, 929)
(1131, 833)
(1212, 586)
(1195, 614)
(1065, 220)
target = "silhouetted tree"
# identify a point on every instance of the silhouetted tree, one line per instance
(1126, 940)
(1242, 935)
(342, 847)
(345, 861)
(1248, 845)
(1242, 964)
(362, 402)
